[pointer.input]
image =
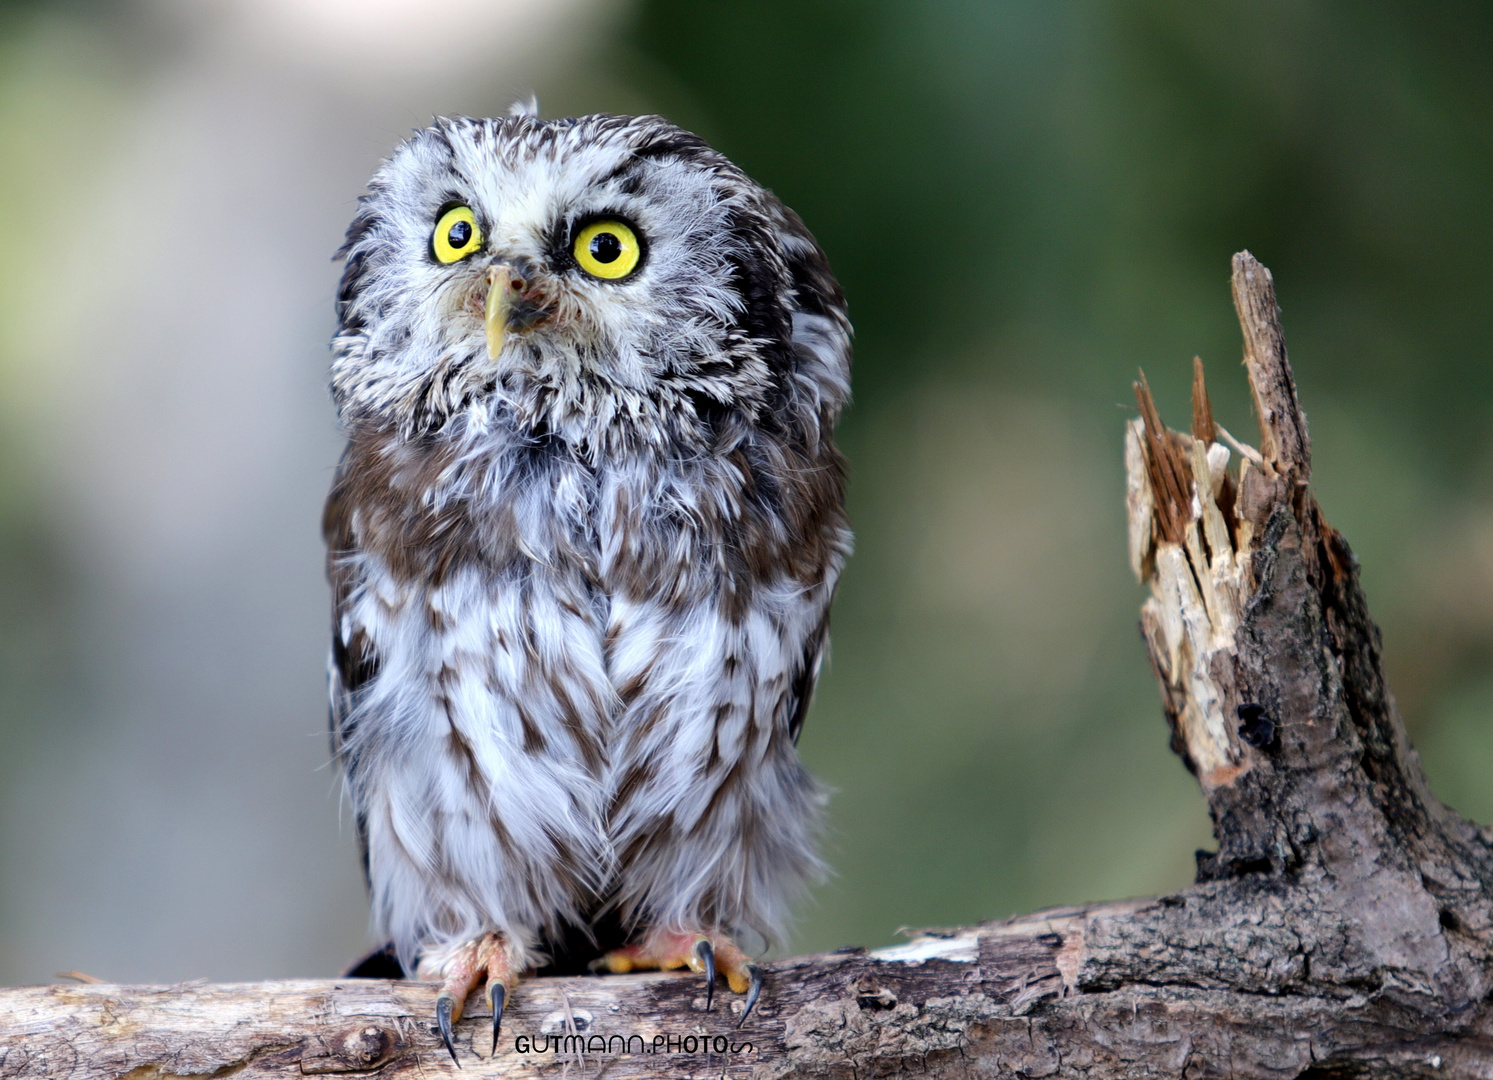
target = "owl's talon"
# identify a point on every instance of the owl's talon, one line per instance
(445, 1005)
(711, 954)
(754, 991)
(461, 971)
(497, 997)
(705, 956)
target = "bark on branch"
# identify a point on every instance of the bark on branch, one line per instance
(1341, 929)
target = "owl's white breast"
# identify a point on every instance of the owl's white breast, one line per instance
(590, 702)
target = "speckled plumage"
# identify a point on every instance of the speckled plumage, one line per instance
(582, 591)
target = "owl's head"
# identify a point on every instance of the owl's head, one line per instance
(606, 279)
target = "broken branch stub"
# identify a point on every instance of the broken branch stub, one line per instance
(1271, 679)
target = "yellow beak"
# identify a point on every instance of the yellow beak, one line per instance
(502, 290)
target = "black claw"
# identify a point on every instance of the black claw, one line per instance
(754, 991)
(443, 1006)
(497, 996)
(706, 955)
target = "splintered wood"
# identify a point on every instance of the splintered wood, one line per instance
(1188, 544)
(1193, 527)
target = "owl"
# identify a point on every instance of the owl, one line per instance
(582, 544)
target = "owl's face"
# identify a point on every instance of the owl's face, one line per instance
(604, 278)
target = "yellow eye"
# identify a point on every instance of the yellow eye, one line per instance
(607, 249)
(456, 235)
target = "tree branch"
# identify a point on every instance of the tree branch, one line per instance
(1342, 928)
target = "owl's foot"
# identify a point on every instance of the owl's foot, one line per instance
(485, 959)
(668, 950)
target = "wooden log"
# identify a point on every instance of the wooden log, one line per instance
(1343, 928)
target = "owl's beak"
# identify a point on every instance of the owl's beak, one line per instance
(503, 291)
(514, 305)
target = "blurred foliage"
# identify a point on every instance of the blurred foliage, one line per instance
(1075, 175)
(53, 113)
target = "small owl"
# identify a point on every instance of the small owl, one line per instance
(582, 545)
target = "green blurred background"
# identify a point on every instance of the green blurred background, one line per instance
(1024, 200)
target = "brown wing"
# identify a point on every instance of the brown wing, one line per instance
(802, 690)
(354, 660)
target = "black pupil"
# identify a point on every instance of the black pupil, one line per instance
(461, 232)
(606, 247)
